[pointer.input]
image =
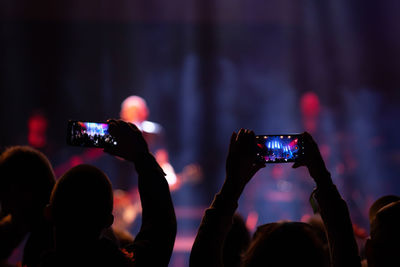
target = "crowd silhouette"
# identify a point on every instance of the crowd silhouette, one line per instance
(68, 222)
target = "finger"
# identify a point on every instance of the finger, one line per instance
(239, 140)
(240, 134)
(111, 120)
(232, 143)
(308, 138)
(125, 128)
(252, 134)
(245, 139)
(253, 142)
(247, 135)
(296, 165)
(112, 126)
(133, 126)
(233, 138)
(310, 146)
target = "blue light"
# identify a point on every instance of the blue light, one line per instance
(95, 128)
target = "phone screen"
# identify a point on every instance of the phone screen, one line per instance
(280, 148)
(89, 134)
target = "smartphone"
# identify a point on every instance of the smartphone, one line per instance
(280, 148)
(89, 134)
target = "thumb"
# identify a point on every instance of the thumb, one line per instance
(296, 165)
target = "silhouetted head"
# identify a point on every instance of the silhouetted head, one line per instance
(380, 203)
(26, 181)
(284, 244)
(318, 226)
(383, 247)
(236, 242)
(81, 203)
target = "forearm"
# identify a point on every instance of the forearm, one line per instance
(153, 189)
(241, 165)
(336, 217)
(215, 225)
(158, 228)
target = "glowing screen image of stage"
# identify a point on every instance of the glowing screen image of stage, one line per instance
(93, 128)
(91, 134)
(279, 148)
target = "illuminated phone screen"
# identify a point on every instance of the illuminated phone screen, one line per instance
(89, 134)
(280, 148)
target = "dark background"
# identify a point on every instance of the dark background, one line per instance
(207, 68)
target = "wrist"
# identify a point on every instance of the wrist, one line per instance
(147, 163)
(232, 188)
(323, 178)
(227, 198)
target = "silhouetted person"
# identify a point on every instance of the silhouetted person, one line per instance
(332, 208)
(81, 208)
(383, 246)
(380, 203)
(285, 244)
(242, 163)
(26, 181)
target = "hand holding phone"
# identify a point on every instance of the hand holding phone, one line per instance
(117, 137)
(131, 144)
(313, 160)
(241, 163)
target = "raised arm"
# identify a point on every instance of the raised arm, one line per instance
(241, 165)
(154, 243)
(333, 209)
